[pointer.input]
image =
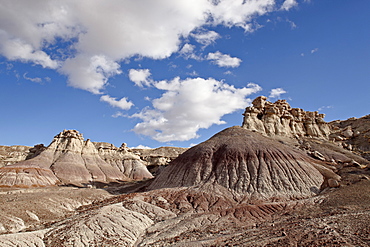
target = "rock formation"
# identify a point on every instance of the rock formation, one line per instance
(156, 159)
(69, 159)
(123, 158)
(249, 165)
(330, 142)
(279, 119)
(14, 154)
(353, 134)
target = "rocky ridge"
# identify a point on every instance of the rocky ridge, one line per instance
(69, 159)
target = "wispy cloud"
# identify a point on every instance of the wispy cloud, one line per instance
(141, 147)
(314, 50)
(311, 52)
(276, 93)
(193, 73)
(292, 24)
(288, 4)
(325, 107)
(123, 103)
(34, 79)
(224, 60)
(187, 52)
(119, 114)
(206, 38)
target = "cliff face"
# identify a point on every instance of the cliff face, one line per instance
(69, 159)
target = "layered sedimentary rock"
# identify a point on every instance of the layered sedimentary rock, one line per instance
(13, 154)
(69, 159)
(123, 158)
(157, 158)
(330, 142)
(353, 134)
(247, 164)
(280, 119)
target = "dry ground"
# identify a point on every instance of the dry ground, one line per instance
(336, 217)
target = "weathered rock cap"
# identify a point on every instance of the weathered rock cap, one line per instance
(280, 119)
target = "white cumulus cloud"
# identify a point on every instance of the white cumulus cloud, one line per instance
(90, 73)
(239, 12)
(16, 49)
(140, 77)
(224, 60)
(189, 105)
(115, 30)
(123, 103)
(276, 93)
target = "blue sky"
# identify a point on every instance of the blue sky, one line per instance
(173, 73)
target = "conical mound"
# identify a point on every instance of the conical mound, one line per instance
(246, 164)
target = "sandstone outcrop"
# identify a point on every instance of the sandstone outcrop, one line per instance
(353, 134)
(69, 159)
(124, 159)
(280, 119)
(157, 158)
(13, 154)
(334, 142)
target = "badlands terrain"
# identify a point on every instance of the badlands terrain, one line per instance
(285, 177)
